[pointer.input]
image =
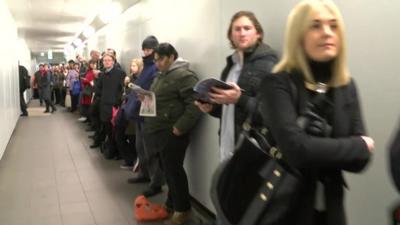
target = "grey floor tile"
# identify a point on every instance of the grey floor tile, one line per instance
(67, 178)
(71, 193)
(77, 207)
(51, 220)
(52, 177)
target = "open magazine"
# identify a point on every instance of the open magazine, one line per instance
(203, 87)
(148, 106)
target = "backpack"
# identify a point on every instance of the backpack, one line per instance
(76, 87)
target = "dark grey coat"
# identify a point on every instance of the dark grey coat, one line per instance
(109, 90)
(43, 83)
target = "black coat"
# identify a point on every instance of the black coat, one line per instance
(109, 88)
(257, 63)
(24, 79)
(321, 157)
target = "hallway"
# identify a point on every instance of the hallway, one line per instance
(50, 176)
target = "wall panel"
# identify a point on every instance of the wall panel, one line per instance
(9, 88)
(198, 30)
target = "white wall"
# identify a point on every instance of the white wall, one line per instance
(196, 38)
(9, 86)
(198, 30)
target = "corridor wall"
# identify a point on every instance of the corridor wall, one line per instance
(198, 30)
(9, 86)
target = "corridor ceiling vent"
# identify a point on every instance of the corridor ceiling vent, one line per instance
(88, 31)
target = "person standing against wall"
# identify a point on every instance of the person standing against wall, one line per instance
(246, 67)
(124, 124)
(149, 167)
(333, 139)
(24, 81)
(110, 88)
(167, 135)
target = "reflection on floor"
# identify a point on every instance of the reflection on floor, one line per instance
(50, 176)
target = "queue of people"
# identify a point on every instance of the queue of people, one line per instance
(154, 147)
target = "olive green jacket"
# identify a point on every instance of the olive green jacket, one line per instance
(174, 100)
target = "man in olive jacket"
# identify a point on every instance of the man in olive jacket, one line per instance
(167, 134)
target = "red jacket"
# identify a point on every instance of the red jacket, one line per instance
(86, 82)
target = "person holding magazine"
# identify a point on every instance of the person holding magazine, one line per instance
(251, 61)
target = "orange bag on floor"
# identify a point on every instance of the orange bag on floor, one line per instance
(144, 210)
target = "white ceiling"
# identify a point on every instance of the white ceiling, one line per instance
(51, 24)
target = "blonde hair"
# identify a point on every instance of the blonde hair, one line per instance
(139, 64)
(294, 57)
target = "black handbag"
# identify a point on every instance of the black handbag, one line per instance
(255, 186)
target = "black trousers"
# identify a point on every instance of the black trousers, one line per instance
(56, 95)
(94, 115)
(320, 218)
(125, 143)
(105, 131)
(63, 94)
(85, 110)
(74, 102)
(172, 155)
(23, 104)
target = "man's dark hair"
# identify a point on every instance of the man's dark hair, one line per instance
(252, 18)
(71, 61)
(112, 51)
(166, 49)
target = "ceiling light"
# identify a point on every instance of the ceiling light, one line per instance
(77, 42)
(89, 31)
(110, 12)
(42, 54)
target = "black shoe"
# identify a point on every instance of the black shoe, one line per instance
(24, 114)
(53, 109)
(46, 111)
(91, 136)
(95, 145)
(126, 166)
(151, 191)
(89, 130)
(141, 179)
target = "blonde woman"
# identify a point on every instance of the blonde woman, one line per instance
(314, 62)
(125, 123)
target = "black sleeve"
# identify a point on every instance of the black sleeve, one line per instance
(357, 120)
(99, 84)
(299, 148)
(216, 111)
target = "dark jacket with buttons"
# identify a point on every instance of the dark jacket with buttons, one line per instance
(257, 63)
(319, 158)
(109, 88)
(174, 100)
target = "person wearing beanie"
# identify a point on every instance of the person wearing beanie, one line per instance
(149, 169)
(150, 42)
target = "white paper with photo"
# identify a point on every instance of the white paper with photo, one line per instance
(148, 106)
(137, 89)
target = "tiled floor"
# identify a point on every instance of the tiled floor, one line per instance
(50, 176)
